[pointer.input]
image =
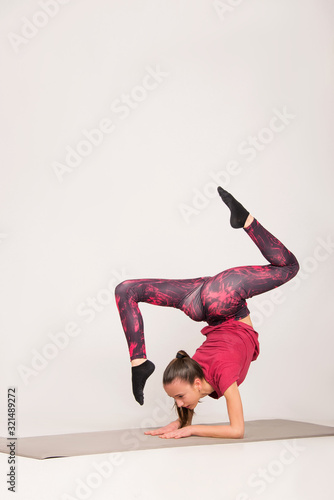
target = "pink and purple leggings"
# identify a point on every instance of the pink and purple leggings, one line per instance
(212, 299)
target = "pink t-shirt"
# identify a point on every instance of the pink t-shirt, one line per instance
(226, 354)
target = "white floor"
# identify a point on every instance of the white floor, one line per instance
(300, 469)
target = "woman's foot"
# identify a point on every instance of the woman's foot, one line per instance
(140, 374)
(138, 361)
(239, 215)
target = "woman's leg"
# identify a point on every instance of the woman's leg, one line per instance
(180, 294)
(224, 295)
(160, 292)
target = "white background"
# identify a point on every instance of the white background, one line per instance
(120, 213)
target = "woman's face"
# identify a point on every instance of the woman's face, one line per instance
(185, 394)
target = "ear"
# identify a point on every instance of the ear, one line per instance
(198, 383)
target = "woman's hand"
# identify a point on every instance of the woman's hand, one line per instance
(173, 426)
(172, 430)
(179, 433)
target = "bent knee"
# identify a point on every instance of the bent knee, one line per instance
(123, 288)
(295, 267)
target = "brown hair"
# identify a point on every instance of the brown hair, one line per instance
(186, 369)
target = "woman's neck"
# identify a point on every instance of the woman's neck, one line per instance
(206, 389)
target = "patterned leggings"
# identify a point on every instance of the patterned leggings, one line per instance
(212, 299)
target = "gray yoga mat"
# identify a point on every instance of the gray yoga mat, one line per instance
(91, 443)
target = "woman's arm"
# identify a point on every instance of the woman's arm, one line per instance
(236, 428)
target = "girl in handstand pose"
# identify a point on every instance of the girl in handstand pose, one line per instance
(221, 363)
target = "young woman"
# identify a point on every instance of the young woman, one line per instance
(221, 363)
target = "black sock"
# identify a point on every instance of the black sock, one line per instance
(238, 213)
(140, 374)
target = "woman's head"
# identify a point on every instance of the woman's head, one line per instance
(182, 380)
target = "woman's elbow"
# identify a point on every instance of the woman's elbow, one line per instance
(239, 433)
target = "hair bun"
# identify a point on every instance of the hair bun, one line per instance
(180, 355)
